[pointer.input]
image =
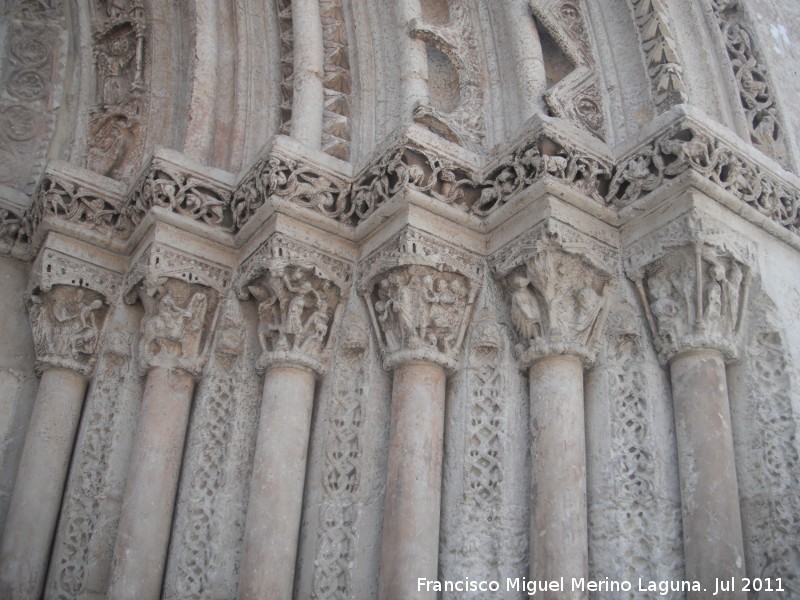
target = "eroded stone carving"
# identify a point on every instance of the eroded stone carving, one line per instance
(420, 297)
(180, 295)
(457, 41)
(771, 509)
(294, 181)
(342, 471)
(685, 148)
(577, 96)
(336, 81)
(67, 322)
(755, 89)
(118, 115)
(298, 291)
(560, 293)
(71, 201)
(69, 301)
(14, 229)
(660, 53)
(176, 190)
(693, 294)
(34, 64)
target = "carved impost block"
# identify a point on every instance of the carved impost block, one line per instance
(300, 292)
(180, 294)
(693, 280)
(561, 285)
(183, 189)
(420, 293)
(68, 304)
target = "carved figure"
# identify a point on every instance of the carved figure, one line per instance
(525, 313)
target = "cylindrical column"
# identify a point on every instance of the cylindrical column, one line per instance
(712, 525)
(526, 56)
(276, 488)
(141, 546)
(308, 98)
(410, 544)
(558, 530)
(35, 502)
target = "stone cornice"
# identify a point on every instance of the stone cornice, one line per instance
(417, 162)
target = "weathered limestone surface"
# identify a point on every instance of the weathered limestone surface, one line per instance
(322, 297)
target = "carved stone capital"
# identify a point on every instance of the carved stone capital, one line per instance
(420, 292)
(69, 301)
(561, 286)
(67, 324)
(180, 295)
(299, 291)
(694, 297)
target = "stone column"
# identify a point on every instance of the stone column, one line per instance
(712, 524)
(410, 545)
(560, 297)
(177, 315)
(276, 488)
(67, 323)
(298, 292)
(559, 531)
(694, 299)
(419, 314)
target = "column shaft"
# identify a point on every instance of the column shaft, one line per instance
(559, 530)
(36, 500)
(712, 525)
(276, 488)
(141, 546)
(410, 544)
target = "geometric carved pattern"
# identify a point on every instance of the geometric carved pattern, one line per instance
(89, 485)
(342, 469)
(755, 91)
(772, 510)
(217, 402)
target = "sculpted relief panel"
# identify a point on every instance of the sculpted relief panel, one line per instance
(560, 295)
(298, 292)
(694, 298)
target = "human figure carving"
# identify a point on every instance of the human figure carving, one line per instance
(525, 313)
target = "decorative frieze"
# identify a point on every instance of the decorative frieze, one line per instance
(755, 89)
(685, 147)
(561, 286)
(299, 291)
(14, 229)
(660, 53)
(68, 199)
(286, 33)
(420, 293)
(176, 189)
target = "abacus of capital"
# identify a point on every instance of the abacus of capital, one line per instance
(346, 299)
